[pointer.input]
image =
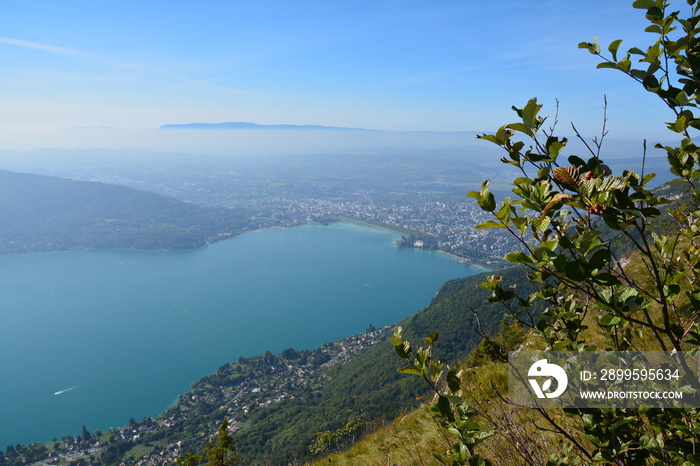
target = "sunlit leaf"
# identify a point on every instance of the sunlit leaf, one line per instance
(518, 257)
(409, 370)
(614, 45)
(609, 319)
(540, 224)
(489, 224)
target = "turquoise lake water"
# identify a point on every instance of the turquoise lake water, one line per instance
(98, 337)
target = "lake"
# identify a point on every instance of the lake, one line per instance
(97, 337)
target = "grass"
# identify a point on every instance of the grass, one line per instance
(139, 451)
(409, 439)
(412, 439)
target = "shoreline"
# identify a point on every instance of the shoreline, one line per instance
(475, 265)
(358, 225)
(348, 220)
(379, 225)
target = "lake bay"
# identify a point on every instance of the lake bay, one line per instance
(99, 337)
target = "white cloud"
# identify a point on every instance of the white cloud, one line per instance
(44, 47)
(181, 80)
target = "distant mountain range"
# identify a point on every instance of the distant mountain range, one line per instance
(246, 125)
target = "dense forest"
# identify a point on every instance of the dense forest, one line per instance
(43, 213)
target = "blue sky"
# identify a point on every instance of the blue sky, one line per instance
(391, 65)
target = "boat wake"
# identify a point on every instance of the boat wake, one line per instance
(61, 392)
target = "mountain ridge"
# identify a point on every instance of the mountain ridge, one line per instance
(249, 125)
(46, 213)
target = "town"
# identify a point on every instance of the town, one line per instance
(236, 390)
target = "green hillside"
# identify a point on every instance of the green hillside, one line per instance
(369, 387)
(43, 213)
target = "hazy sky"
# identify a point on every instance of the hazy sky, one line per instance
(66, 66)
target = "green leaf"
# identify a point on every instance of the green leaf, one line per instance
(614, 45)
(484, 197)
(443, 408)
(518, 257)
(520, 127)
(575, 271)
(650, 82)
(606, 279)
(576, 161)
(431, 339)
(612, 183)
(540, 224)
(531, 122)
(643, 4)
(521, 223)
(554, 146)
(404, 349)
(396, 338)
(561, 345)
(530, 113)
(453, 382)
(655, 13)
(600, 259)
(592, 47)
(609, 319)
(489, 224)
(682, 98)
(409, 370)
(593, 439)
(650, 212)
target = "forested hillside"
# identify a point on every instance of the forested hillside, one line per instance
(44, 213)
(369, 387)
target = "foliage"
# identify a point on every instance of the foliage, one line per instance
(449, 410)
(562, 216)
(218, 452)
(418, 240)
(331, 439)
(496, 349)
